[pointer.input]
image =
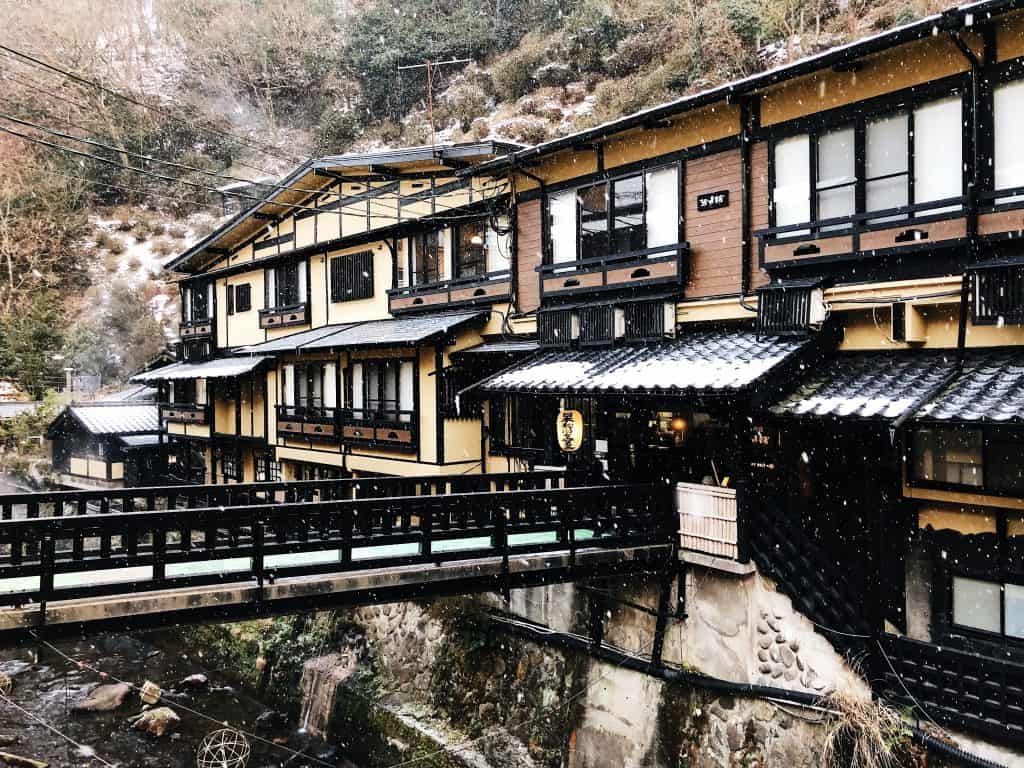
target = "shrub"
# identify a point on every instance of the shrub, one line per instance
(554, 74)
(513, 72)
(176, 231)
(592, 32)
(336, 131)
(116, 246)
(104, 239)
(528, 130)
(464, 103)
(163, 247)
(157, 228)
(125, 225)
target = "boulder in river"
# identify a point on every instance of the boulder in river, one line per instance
(194, 682)
(104, 698)
(271, 720)
(156, 722)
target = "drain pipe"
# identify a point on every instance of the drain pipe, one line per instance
(745, 215)
(726, 687)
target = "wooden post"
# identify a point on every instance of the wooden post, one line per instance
(46, 577)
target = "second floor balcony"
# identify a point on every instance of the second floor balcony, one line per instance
(660, 266)
(196, 329)
(185, 413)
(283, 317)
(464, 291)
(383, 427)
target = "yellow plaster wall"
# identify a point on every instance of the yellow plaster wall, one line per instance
(241, 328)
(709, 124)
(462, 440)
(960, 500)
(962, 519)
(427, 405)
(869, 329)
(374, 308)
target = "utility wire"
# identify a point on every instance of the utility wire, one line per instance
(259, 146)
(85, 751)
(107, 676)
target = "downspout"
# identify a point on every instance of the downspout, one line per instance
(745, 251)
(516, 168)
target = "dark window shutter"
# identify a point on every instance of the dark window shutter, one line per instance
(243, 297)
(352, 276)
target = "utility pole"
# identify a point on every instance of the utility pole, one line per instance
(430, 66)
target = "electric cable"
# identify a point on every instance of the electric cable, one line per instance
(84, 750)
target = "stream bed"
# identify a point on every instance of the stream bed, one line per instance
(47, 685)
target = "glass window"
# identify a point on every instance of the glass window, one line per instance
(499, 244)
(662, 200)
(427, 257)
(562, 210)
(791, 196)
(286, 285)
(593, 212)
(1014, 596)
(887, 176)
(837, 177)
(1008, 109)
(948, 455)
(1004, 470)
(938, 152)
(470, 250)
(309, 383)
(628, 232)
(386, 389)
(976, 604)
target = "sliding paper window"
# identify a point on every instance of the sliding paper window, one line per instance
(286, 285)
(383, 390)
(1008, 111)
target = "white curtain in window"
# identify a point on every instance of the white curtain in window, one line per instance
(270, 277)
(499, 246)
(562, 207)
(938, 152)
(444, 265)
(200, 391)
(288, 384)
(357, 390)
(836, 176)
(791, 197)
(303, 292)
(186, 304)
(1008, 107)
(663, 206)
(209, 299)
(403, 263)
(330, 385)
(976, 604)
(406, 384)
(887, 156)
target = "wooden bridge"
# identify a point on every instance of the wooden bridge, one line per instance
(92, 560)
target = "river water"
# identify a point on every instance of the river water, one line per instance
(47, 686)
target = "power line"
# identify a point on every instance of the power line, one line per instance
(241, 195)
(259, 146)
(85, 751)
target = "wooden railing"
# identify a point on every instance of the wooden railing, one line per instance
(158, 498)
(462, 291)
(661, 265)
(707, 519)
(185, 413)
(63, 558)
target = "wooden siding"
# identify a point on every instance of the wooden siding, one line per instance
(529, 253)
(715, 236)
(759, 201)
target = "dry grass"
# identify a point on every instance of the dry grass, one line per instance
(865, 733)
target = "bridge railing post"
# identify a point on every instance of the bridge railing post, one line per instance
(159, 555)
(47, 564)
(257, 557)
(427, 529)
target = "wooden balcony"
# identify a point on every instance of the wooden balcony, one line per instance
(389, 428)
(283, 317)
(185, 413)
(465, 291)
(875, 233)
(196, 329)
(707, 520)
(661, 266)
(308, 422)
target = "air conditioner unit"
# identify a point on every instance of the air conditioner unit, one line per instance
(907, 324)
(819, 310)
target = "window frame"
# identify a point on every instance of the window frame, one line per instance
(276, 303)
(991, 435)
(418, 242)
(242, 290)
(859, 114)
(380, 414)
(458, 253)
(337, 273)
(1000, 580)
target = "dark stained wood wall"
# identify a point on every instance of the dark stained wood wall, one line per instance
(758, 207)
(529, 248)
(715, 236)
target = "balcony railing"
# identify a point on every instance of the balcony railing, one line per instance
(309, 421)
(463, 291)
(931, 222)
(282, 317)
(391, 428)
(663, 265)
(185, 413)
(707, 519)
(201, 328)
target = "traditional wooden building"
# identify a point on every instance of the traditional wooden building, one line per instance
(107, 444)
(798, 295)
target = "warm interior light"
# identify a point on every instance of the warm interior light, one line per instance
(476, 240)
(678, 424)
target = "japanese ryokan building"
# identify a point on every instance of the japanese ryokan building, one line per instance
(801, 293)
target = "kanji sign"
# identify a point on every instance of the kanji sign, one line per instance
(570, 430)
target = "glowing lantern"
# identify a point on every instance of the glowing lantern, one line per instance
(569, 428)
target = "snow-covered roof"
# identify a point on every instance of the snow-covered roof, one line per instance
(221, 368)
(117, 418)
(711, 361)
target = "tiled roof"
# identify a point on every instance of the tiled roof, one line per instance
(10, 410)
(117, 418)
(502, 347)
(374, 333)
(221, 368)
(138, 393)
(991, 389)
(868, 385)
(140, 441)
(721, 361)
